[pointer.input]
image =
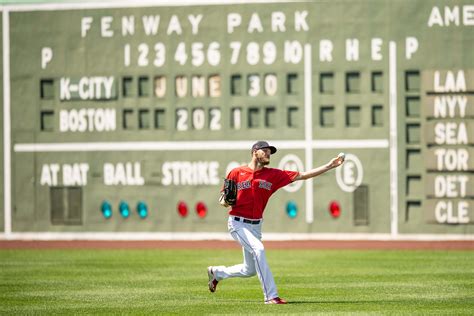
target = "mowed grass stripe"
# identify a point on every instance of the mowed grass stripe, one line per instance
(175, 282)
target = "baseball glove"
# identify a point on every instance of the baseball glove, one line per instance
(229, 193)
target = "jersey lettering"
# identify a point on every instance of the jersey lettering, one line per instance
(243, 185)
(265, 185)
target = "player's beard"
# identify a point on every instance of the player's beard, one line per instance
(263, 161)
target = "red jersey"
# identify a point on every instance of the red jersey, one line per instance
(254, 188)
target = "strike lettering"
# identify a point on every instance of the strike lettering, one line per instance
(190, 173)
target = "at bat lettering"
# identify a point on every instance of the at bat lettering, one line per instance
(74, 174)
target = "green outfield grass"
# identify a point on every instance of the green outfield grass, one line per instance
(175, 282)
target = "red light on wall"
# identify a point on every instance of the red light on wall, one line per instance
(182, 209)
(335, 209)
(201, 209)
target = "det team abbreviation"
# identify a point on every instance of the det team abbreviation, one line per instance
(177, 173)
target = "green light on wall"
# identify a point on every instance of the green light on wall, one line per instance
(291, 209)
(106, 209)
(124, 209)
(142, 209)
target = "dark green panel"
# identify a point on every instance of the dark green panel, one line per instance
(97, 77)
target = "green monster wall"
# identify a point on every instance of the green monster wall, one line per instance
(156, 104)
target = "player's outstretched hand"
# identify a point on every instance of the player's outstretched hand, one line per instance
(337, 161)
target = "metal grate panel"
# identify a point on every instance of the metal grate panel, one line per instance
(66, 205)
(361, 205)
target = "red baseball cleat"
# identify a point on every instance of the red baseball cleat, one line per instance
(276, 300)
(212, 280)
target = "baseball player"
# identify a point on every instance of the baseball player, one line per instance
(254, 184)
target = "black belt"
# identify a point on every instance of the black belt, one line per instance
(247, 221)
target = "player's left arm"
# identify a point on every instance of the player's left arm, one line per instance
(333, 163)
(228, 195)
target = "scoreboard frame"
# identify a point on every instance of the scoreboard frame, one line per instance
(308, 144)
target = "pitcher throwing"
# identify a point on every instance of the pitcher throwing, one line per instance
(247, 190)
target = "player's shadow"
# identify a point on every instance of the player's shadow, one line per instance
(343, 302)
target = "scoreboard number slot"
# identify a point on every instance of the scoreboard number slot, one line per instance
(198, 54)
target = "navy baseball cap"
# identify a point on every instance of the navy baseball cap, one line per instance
(263, 144)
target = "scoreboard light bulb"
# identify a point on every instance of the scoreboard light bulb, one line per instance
(124, 209)
(335, 209)
(106, 209)
(291, 209)
(142, 209)
(182, 209)
(201, 209)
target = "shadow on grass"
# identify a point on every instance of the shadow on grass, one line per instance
(348, 302)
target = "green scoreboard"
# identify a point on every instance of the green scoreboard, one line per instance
(121, 119)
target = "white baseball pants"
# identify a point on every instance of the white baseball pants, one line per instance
(255, 262)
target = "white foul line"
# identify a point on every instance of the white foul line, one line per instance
(308, 130)
(393, 139)
(6, 124)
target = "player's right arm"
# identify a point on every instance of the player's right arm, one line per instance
(333, 163)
